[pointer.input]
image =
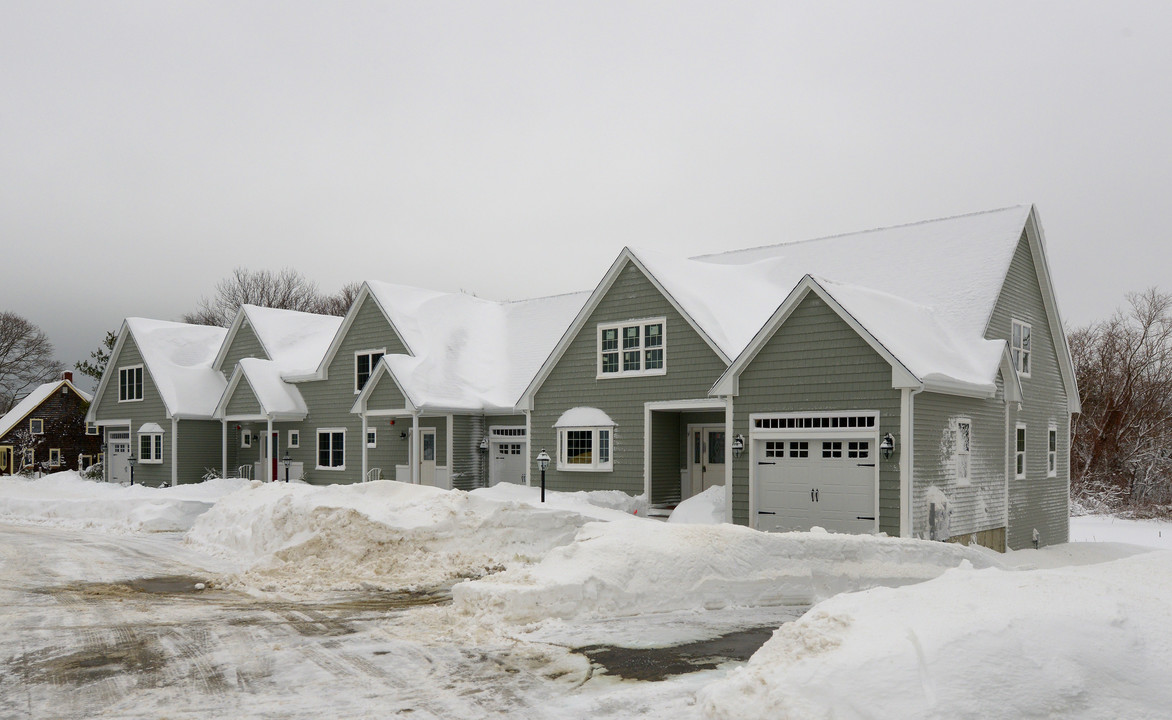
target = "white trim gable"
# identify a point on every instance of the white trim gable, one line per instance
(112, 370)
(380, 370)
(729, 383)
(525, 402)
(237, 323)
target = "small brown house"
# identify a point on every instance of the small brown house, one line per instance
(46, 431)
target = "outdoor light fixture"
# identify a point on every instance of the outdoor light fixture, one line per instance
(132, 461)
(543, 463)
(738, 446)
(403, 435)
(483, 444)
(288, 461)
(887, 446)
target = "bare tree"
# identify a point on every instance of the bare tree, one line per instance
(287, 289)
(340, 303)
(26, 358)
(1122, 446)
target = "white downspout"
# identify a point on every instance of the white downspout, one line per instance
(364, 448)
(174, 452)
(529, 447)
(416, 448)
(906, 457)
(224, 446)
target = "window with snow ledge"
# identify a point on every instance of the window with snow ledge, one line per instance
(963, 450)
(634, 347)
(585, 438)
(1021, 344)
(365, 361)
(331, 448)
(55, 457)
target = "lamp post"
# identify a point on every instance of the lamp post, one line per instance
(287, 462)
(543, 463)
(132, 461)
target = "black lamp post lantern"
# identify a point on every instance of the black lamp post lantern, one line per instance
(132, 461)
(887, 445)
(287, 462)
(543, 463)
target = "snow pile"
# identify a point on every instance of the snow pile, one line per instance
(597, 504)
(382, 535)
(1107, 528)
(615, 569)
(65, 499)
(1089, 642)
(707, 508)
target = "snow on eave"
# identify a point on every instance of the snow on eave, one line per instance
(33, 400)
(584, 417)
(167, 365)
(276, 399)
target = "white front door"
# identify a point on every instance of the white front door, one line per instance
(826, 482)
(705, 456)
(508, 463)
(427, 457)
(118, 455)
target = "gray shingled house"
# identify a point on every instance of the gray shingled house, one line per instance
(913, 380)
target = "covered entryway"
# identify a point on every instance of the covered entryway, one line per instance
(118, 455)
(427, 456)
(705, 457)
(812, 471)
(507, 454)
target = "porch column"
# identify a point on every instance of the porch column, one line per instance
(729, 462)
(364, 431)
(269, 451)
(224, 446)
(416, 448)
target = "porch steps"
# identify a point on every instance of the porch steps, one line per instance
(659, 513)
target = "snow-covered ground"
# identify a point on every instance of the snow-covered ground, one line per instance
(335, 600)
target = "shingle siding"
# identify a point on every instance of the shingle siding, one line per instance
(815, 361)
(243, 400)
(692, 367)
(244, 345)
(1037, 501)
(199, 449)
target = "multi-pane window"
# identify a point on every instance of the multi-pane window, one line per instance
(774, 449)
(1052, 451)
(294, 439)
(858, 449)
(964, 441)
(55, 457)
(632, 348)
(91, 428)
(1022, 347)
(799, 449)
(1019, 455)
(584, 449)
(246, 438)
(832, 449)
(36, 426)
(150, 448)
(331, 449)
(365, 362)
(371, 438)
(130, 383)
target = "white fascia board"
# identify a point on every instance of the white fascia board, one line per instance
(380, 370)
(364, 294)
(729, 383)
(525, 402)
(950, 386)
(222, 405)
(245, 418)
(111, 368)
(191, 416)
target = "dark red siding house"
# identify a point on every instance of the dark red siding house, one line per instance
(46, 431)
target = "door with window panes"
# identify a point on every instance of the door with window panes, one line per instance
(706, 457)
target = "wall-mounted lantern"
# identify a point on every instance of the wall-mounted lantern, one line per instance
(738, 446)
(483, 444)
(887, 446)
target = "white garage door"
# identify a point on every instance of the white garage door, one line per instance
(827, 482)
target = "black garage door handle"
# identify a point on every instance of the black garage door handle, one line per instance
(865, 465)
(863, 517)
(766, 512)
(760, 462)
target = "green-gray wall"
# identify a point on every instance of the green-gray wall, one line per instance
(244, 345)
(148, 410)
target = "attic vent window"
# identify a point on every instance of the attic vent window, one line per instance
(634, 347)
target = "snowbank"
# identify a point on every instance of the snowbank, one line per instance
(1108, 528)
(1089, 642)
(382, 535)
(707, 508)
(65, 499)
(597, 504)
(614, 569)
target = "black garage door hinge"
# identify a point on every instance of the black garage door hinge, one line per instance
(766, 512)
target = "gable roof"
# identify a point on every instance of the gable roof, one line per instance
(278, 399)
(179, 358)
(468, 353)
(297, 340)
(33, 400)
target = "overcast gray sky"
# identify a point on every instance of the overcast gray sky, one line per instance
(512, 149)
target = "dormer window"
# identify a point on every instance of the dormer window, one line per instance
(1022, 347)
(634, 347)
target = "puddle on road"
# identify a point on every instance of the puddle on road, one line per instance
(160, 585)
(654, 664)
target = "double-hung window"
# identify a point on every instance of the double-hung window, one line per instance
(331, 449)
(1019, 454)
(964, 443)
(635, 347)
(365, 361)
(1022, 347)
(36, 426)
(150, 448)
(585, 449)
(130, 383)
(1052, 451)
(294, 439)
(55, 457)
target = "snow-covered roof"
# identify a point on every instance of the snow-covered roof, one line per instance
(468, 352)
(179, 358)
(295, 340)
(277, 398)
(32, 400)
(150, 428)
(584, 417)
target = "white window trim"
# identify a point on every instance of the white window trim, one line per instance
(152, 460)
(1022, 453)
(371, 437)
(967, 478)
(595, 465)
(317, 448)
(36, 432)
(131, 367)
(56, 451)
(294, 441)
(1052, 455)
(642, 323)
(246, 438)
(1014, 350)
(357, 353)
